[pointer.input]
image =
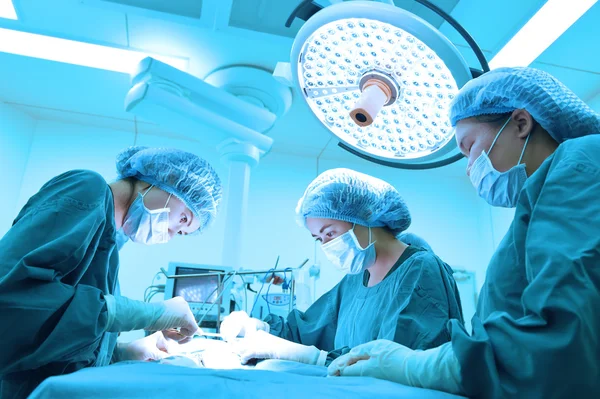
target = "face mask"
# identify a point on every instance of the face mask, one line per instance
(498, 188)
(347, 255)
(146, 226)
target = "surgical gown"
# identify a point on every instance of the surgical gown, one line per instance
(536, 332)
(56, 263)
(411, 306)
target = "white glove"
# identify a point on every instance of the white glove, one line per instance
(126, 314)
(239, 324)
(262, 345)
(152, 347)
(436, 368)
(177, 314)
(175, 335)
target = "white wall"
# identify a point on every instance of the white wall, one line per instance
(16, 135)
(501, 219)
(444, 207)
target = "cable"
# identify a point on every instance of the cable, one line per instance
(216, 299)
(154, 293)
(245, 295)
(152, 288)
(225, 289)
(263, 284)
(259, 291)
(267, 297)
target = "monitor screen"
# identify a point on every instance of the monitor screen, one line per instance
(196, 290)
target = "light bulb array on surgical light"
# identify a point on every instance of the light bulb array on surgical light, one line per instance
(338, 55)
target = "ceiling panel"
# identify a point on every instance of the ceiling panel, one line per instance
(579, 46)
(183, 8)
(51, 84)
(268, 16)
(257, 37)
(68, 19)
(491, 23)
(425, 13)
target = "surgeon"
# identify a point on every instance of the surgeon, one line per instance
(393, 291)
(60, 308)
(532, 145)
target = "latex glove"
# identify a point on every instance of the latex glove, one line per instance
(177, 314)
(177, 336)
(436, 368)
(152, 347)
(262, 345)
(126, 314)
(239, 324)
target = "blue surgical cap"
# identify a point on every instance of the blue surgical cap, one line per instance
(413, 239)
(556, 108)
(186, 176)
(343, 194)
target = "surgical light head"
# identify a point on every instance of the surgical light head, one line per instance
(381, 80)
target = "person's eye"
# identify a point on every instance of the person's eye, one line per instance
(184, 219)
(329, 234)
(318, 239)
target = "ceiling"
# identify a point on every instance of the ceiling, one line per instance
(216, 33)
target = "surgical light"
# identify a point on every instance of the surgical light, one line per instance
(77, 53)
(7, 10)
(381, 80)
(551, 21)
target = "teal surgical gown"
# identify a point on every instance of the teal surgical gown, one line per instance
(411, 306)
(536, 332)
(56, 263)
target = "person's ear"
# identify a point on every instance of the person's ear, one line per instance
(524, 122)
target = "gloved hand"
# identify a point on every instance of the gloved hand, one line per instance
(436, 368)
(239, 324)
(262, 345)
(177, 314)
(175, 335)
(126, 314)
(152, 347)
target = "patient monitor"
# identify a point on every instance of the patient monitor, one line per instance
(202, 287)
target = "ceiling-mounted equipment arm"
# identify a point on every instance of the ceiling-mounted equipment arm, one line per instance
(463, 32)
(304, 10)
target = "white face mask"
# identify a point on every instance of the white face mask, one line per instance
(498, 188)
(347, 255)
(146, 226)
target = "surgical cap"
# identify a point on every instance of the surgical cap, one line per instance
(343, 194)
(186, 176)
(556, 108)
(413, 239)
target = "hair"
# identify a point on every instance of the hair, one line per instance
(493, 119)
(499, 119)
